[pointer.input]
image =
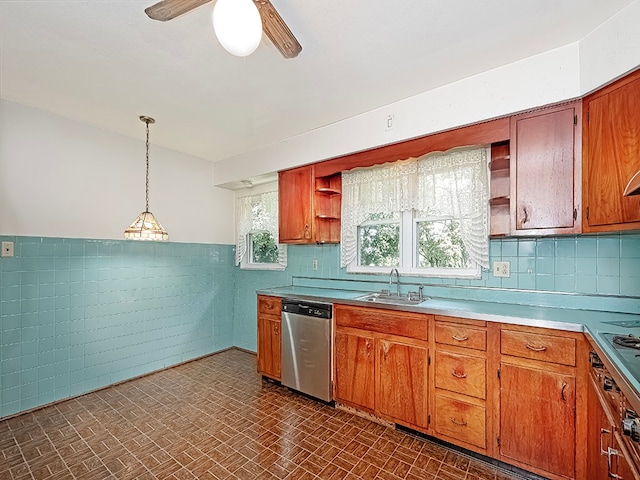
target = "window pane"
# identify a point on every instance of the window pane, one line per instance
(440, 245)
(263, 248)
(379, 245)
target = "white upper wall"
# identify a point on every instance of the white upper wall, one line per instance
(60, 178)
(554, 76)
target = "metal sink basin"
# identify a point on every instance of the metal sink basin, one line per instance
(392, 299)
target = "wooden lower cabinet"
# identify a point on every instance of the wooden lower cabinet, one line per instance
(538, 418)
(459, 419)
(381, 363)
(354, 369)
(401, 380)
(269, 337)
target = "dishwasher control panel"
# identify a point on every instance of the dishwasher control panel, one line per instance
(308, 309)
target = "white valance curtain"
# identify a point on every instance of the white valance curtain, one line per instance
(451, 184)
(257, 213)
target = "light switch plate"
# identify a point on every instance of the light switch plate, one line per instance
(502, 269)
(7, 249)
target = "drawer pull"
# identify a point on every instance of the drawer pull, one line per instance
(459, 339)
(456, 422)
(564, 387)
(536, 349)
(459, 375)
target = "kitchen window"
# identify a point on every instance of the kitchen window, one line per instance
(426, 216)
(257, 244)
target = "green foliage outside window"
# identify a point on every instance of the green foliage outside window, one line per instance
(380, 245)
(263, 248)
(440, 245)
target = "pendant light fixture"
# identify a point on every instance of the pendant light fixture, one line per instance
(238, 26)
(146, 227)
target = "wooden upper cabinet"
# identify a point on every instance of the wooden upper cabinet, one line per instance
(612, 155)
(546, 171)
(294, 205)
(309, 206)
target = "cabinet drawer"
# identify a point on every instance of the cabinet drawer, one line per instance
(461, 373)
(461, 336)
(269, 305)
(461, 420)
(391, 322)
(535, 346)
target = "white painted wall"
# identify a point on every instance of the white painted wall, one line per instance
(554, 76)
(60, 178)
(611, 50)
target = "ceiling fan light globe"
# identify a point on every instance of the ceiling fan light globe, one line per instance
(238, 26)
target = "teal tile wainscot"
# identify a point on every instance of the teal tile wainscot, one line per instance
(597, 272)
(77, 315)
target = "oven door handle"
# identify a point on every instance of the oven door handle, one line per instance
(602, 450)
(610, 453)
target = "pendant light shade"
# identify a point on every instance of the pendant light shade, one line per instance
(238, 26)
(145, 226)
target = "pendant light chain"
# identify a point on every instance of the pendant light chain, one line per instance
(146, 120)
(145, 226)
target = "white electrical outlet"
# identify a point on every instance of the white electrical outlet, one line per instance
(7, 249)
(315, 264)
(502, 269)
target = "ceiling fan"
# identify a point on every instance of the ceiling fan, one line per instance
(272, 23)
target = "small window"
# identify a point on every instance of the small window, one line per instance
(263, 248)
(257, 244)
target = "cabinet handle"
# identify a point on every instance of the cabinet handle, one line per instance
(536, 349)
(459, 375)
(608, 432)
(562, 393)
(459, 339)
(306, 231)
(385, 350)
(368, 348)
(461, 424)
(276, 329)
(526, 215)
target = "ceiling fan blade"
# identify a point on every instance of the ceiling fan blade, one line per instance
(277, 31)
(168, 9)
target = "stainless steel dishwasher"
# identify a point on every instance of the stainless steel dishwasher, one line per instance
(307, 347)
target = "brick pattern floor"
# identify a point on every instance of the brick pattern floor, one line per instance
(215, 418)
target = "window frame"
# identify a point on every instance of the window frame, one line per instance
(408, 254)
(246, 264)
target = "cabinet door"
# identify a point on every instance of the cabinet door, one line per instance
(269, 346)
(294, 203)
(401, 387)
(613, 154)
(537, 418)
(354, 369)
(545, 175)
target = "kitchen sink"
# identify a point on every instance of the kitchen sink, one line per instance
(392, 299)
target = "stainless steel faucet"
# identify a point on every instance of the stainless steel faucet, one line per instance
(394, 270)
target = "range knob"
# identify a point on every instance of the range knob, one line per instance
(595, 360)
(608, 383)
(631, 428)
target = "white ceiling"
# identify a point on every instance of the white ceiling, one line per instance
(104, 63)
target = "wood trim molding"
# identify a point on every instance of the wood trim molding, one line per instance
(480, 133)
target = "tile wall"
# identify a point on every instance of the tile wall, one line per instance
(599, 272)
(76, 315)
